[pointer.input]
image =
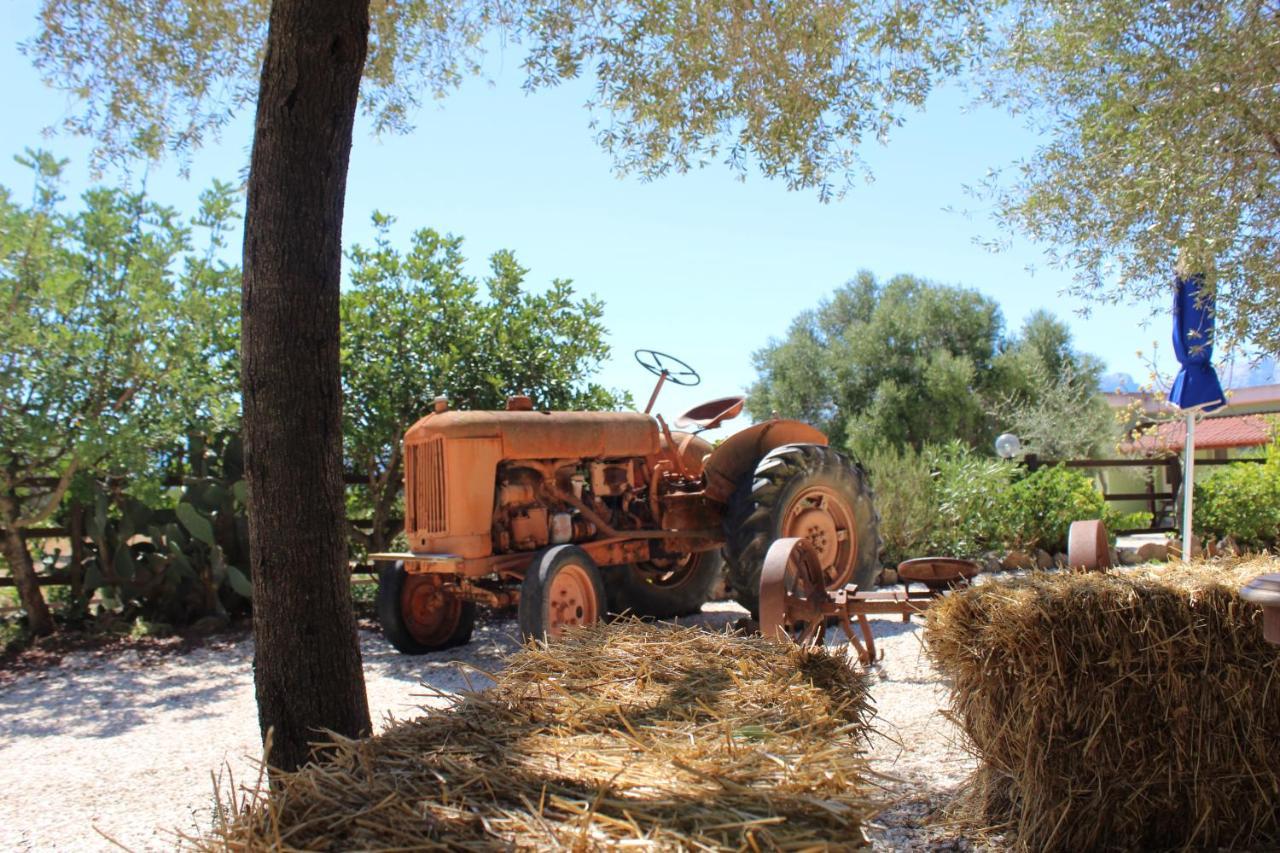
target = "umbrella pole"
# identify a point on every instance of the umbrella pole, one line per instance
(1188, 473)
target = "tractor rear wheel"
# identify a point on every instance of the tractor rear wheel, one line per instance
(808, 491)
(664, 588)
(561, 589)
(418, 615)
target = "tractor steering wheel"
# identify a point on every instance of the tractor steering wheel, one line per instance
(661, 364)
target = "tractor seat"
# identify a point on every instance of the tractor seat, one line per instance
(710, 414)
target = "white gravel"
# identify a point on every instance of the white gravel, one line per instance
(123, 745)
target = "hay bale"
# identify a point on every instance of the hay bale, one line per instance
(666, 738)
(1127, 711)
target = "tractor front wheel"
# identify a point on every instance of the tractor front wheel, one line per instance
(562, 588)
(418, 615)
(811, 492)
(665, 588)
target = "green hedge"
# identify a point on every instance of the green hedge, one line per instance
(1241, 501)
(950, 500)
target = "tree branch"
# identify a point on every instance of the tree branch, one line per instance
(54, 498)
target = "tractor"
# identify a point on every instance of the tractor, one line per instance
(570, 516)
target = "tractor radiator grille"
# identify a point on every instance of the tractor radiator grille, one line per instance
(425, 493)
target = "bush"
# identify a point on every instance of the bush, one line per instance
(972, 495)
(951, 501)
(1044, 503)
(904, 489)
(1241, 501)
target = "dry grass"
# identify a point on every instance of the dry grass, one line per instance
(630, 735)
(1122, 711)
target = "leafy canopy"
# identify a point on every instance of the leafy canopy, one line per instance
(416, 325)
(792, 86)
(1162, 124)
(96, 369)
(909, 362)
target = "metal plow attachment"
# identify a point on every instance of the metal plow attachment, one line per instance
(796, 607)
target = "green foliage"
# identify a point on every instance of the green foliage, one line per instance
(1043, 504)
(952, 501)
(904, 489)
(193, 557)
(1047, 394)
(909, 363)
(895, 363)
(943, 500)
(972, 492)
(795, 87)
(1162, 131)
(415, 325)
(1241, 501)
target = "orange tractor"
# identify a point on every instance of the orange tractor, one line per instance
(571, 515)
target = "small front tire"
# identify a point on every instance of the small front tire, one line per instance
(418, 615)
(561, 589)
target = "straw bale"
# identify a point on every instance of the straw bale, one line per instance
(1130, 711)
(631, 736)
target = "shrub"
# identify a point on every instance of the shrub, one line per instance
(1044, 503)
(972, 495)
(951, 501)
(1241, 501)
(904, 488)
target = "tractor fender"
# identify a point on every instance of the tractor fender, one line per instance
(739, 453)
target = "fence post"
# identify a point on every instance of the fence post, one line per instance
(75, 525)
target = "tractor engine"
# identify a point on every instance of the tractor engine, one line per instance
(540, 504)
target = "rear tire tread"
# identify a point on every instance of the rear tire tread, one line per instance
(751, 524)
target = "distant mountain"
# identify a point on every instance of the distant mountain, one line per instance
(1248, 374)
(1109, 382)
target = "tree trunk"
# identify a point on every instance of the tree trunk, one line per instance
(39, 619)
(307, 668)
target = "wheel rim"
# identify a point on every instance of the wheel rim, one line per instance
(430, 613)
(823, 516)
(571, 599)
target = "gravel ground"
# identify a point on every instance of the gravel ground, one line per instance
(124, 745)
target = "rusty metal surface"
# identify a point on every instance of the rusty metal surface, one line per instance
(547, 435)
(738, 454)
(693, 452)
(791, 592)
(824, 516)
(430, 611)
(712, 413)
(795, 606)
(939, 572)
(571, 600)
(1264, 591)
(1087, 548)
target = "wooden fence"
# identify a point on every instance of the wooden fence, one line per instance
(1159, 504)
(74, 531)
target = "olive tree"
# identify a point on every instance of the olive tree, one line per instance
(1162, 129)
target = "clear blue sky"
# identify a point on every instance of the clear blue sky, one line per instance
(700, 265)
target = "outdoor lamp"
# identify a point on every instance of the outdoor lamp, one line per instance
(1008, 446)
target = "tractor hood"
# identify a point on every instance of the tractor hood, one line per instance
(547, 435)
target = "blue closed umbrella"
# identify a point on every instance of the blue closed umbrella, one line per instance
(1197, 385)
